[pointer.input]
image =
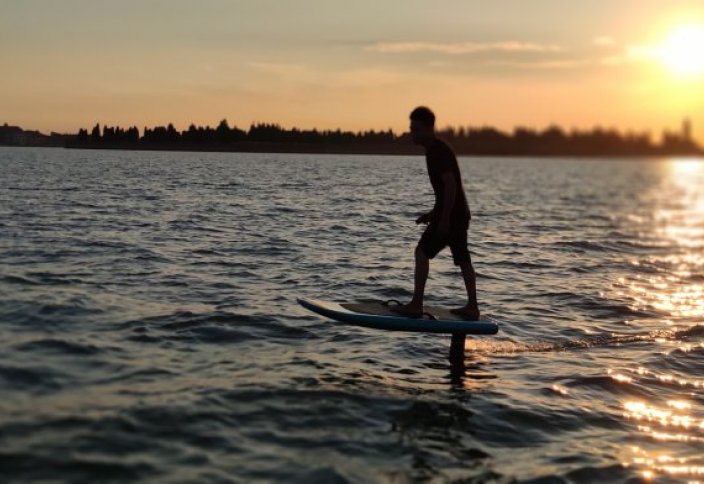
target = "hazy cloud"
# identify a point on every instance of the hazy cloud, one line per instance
(544, 64)
(604, 41)
(281, 69)
(458, 48)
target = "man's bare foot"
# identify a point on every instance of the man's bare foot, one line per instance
(410, 310)
(470, 313)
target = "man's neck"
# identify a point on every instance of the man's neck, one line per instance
(429, 142)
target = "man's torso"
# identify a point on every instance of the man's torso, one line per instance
(440, 159)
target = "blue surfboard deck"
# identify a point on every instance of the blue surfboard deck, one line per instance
(380, 316)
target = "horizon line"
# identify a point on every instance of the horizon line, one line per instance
(686, 125)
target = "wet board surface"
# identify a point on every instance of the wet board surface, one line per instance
(379, 316)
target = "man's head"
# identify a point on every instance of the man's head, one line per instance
(422, 125)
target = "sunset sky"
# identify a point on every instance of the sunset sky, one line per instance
(629, 64)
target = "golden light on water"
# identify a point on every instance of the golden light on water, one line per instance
(679, 404)
(669, 427)
(656, 464)
(638, 410)
(680, 427)
(660, 377)
(685, 302)
(560, 389)
(675, 230)
(683, 225)
(669, 436)
(619, 377)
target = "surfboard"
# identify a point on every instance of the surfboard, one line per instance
(377, 315)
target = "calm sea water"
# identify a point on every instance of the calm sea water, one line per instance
(149, 329)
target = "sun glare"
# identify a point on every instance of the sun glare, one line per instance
(682, 52)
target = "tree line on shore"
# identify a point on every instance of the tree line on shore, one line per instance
(225, 136)
(553, 140)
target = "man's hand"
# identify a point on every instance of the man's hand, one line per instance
(424, 219)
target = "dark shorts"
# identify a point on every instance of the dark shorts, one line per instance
(431, 243)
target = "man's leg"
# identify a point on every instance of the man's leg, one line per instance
(415, 307)
(471, 310)
(462, 258)
(421, 276)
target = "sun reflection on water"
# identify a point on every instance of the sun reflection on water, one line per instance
(672, 423)
(666, 417)
(667, 282)
(662, 378)
(673, 429)
(655, 464)
(674, 285)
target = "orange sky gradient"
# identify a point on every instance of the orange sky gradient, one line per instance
(360, 65)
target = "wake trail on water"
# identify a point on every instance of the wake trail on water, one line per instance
(598, 341)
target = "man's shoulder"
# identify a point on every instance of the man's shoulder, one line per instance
(440, 149)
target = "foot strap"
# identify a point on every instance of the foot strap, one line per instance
(396, 302)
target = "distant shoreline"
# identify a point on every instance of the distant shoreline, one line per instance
(282, 148)
(269, 138)
(410, 152)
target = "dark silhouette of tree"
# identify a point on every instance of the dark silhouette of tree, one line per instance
(222, 132)
(132, 135)
(95, 134)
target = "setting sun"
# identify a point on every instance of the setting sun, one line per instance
(683, 51)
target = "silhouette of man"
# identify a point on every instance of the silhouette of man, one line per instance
(448, 221)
